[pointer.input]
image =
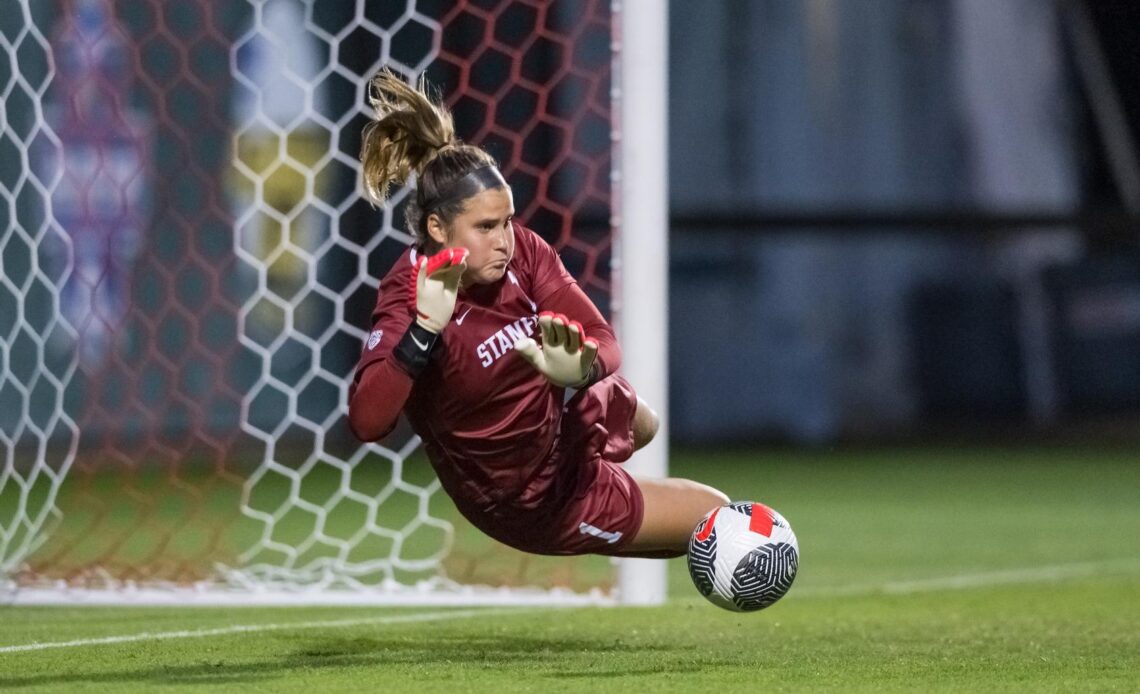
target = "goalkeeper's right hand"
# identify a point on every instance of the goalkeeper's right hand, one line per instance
(436, 288)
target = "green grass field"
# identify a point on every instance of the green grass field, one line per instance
(983, 569)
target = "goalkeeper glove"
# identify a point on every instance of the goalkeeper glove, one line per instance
(566, 357)
(435, 288)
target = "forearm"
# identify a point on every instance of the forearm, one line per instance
(572, 302)
(378, 396)
(384, 378)
(376, 400)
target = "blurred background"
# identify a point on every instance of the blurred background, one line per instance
(899, 220)
(903, 217)
(886, 219)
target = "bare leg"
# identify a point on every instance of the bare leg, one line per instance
(645, 424)
(673, 507)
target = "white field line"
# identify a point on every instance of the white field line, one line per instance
(986, 579)
(254, 628)
(1040, 574)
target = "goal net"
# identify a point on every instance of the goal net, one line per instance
(188, 272)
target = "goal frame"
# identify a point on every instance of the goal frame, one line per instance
(640, 270)
(642, 224)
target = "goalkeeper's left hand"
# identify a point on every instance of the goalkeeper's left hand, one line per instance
(566, 357)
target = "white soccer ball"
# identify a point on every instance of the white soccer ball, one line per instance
(743, 556)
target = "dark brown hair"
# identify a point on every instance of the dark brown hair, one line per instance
(413, 133)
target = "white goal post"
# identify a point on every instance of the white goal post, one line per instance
(188, 266)
(643, 58)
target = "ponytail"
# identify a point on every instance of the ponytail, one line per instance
(412, 132)
(408, 130)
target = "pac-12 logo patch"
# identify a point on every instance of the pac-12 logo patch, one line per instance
(374, 338)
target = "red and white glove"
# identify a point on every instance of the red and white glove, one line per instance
(435, 288)
(566, 356)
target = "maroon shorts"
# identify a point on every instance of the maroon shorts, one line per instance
(594, 506)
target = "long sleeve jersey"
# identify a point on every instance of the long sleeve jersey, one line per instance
(487, 418)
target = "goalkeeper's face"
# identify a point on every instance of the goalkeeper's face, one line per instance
(484, 228)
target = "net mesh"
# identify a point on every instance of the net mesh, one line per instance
(189, 268)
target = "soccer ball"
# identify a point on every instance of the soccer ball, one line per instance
(743, 556)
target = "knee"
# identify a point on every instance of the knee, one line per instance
(645, 424)
(697, 497)
(715, 498)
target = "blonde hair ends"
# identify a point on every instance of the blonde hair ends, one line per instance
(413, 132)
(409, 129)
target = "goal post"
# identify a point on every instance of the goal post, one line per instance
(189, 267)
(641, 76)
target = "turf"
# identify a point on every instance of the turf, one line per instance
(984, 569)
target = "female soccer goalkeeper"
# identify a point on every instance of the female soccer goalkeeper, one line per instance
(477, 333)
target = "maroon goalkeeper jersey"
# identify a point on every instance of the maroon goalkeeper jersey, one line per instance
(488, 419)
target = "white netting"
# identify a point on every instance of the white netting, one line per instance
(283, 141)
(33, 423)
(189, 268)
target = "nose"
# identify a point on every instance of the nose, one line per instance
(502, 238)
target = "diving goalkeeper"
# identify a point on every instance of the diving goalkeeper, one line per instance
(477, 334)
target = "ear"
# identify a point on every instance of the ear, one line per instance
(436, 230)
